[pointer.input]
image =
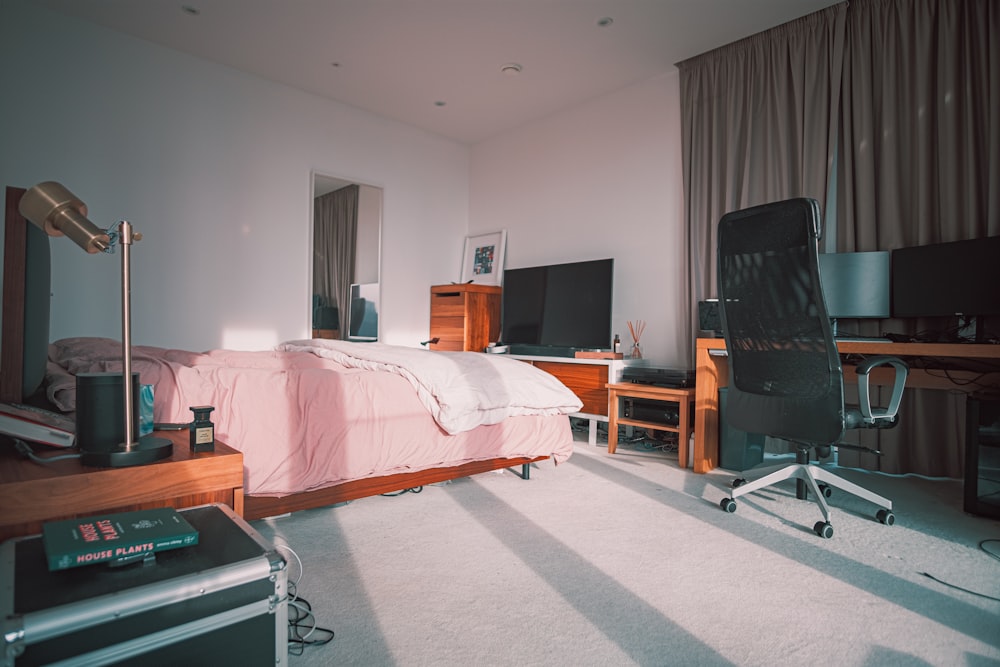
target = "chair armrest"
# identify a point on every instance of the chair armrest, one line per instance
(872, 415)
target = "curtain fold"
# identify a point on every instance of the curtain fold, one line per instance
(335, 231)
(919, 161)
(758, 122)
(886, 112)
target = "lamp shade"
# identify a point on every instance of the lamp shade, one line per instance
(58, 211)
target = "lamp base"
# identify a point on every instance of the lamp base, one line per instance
(147, 450)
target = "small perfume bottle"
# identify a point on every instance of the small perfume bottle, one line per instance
(617, 344)
(202, 429)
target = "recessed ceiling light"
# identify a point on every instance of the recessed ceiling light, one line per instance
(605, 22)
(190, 9)
(511, 69)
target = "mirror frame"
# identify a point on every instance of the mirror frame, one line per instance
(321, 183)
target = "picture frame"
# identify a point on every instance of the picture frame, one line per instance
(483, 257)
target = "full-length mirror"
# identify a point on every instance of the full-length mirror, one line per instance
(347, 227)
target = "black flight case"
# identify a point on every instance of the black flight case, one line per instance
(220, 602)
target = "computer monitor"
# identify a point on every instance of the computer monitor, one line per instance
(364, 313)
(856, 284)
(947, 279)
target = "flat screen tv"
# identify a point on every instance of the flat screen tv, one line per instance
(947, 279)
(561, 306)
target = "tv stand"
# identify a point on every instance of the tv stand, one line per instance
(587, 378)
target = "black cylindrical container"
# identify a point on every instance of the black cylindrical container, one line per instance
(100, 424)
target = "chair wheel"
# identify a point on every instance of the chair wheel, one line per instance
(823, 529)
(825, 490)
(739, 481)
(886, 517)
(728, 505)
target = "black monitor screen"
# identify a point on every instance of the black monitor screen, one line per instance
(944, 279)
(564, 305)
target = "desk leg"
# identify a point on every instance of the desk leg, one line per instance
(711, 373)
(684, 430)
(592, 431)
(612, 421)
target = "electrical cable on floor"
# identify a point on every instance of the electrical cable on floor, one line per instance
(982, 547)
(412, 489)
(302, 623)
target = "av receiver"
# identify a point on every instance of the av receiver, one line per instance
(656, 412)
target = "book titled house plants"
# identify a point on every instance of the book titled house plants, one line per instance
(115, 538)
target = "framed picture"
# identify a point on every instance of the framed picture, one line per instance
(482, 261)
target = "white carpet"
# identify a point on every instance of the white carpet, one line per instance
(627, 559)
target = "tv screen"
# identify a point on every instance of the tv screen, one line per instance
(560, 305)
(945, 279)
(855, 284)
(364, 312)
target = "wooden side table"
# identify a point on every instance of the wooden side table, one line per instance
(681, 396)
(33, 493)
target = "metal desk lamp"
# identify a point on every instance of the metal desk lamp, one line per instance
(58, 212)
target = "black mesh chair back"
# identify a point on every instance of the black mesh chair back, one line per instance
(785, 375)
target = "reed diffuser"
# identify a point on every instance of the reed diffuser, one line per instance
(636, 328)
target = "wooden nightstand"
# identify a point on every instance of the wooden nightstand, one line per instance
(33, 493)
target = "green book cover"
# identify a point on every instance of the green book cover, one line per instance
(115, 537)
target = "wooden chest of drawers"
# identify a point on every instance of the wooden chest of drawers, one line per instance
(464, 317)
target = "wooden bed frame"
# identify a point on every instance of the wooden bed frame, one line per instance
(254, 507)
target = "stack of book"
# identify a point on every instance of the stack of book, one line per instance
(33, 424)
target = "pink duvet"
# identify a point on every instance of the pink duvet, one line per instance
(302, 421)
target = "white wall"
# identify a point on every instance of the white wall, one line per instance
(369, 230)
(601, 180)
(213, 166)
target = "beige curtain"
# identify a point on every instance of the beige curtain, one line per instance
(919, 163)
(335, 232)
(758, 122)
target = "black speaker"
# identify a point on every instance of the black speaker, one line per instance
(100, 424)
(709, 320)
(738, 450)
(100, 421)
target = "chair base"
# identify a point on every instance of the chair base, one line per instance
(812, 476)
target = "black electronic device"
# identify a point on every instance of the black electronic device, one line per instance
(558, 307)
(855, 284)
(653, 411)
(661, 377)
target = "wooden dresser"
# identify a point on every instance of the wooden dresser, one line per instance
(464, 317)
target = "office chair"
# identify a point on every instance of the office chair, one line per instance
(785, 375)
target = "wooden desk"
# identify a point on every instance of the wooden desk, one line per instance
(32, 493)
(682, 397)
(712, 372)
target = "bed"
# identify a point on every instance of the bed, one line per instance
(318, 422)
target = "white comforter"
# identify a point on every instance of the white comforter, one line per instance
(462, 390)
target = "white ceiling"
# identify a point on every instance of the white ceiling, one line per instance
(403, 58)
